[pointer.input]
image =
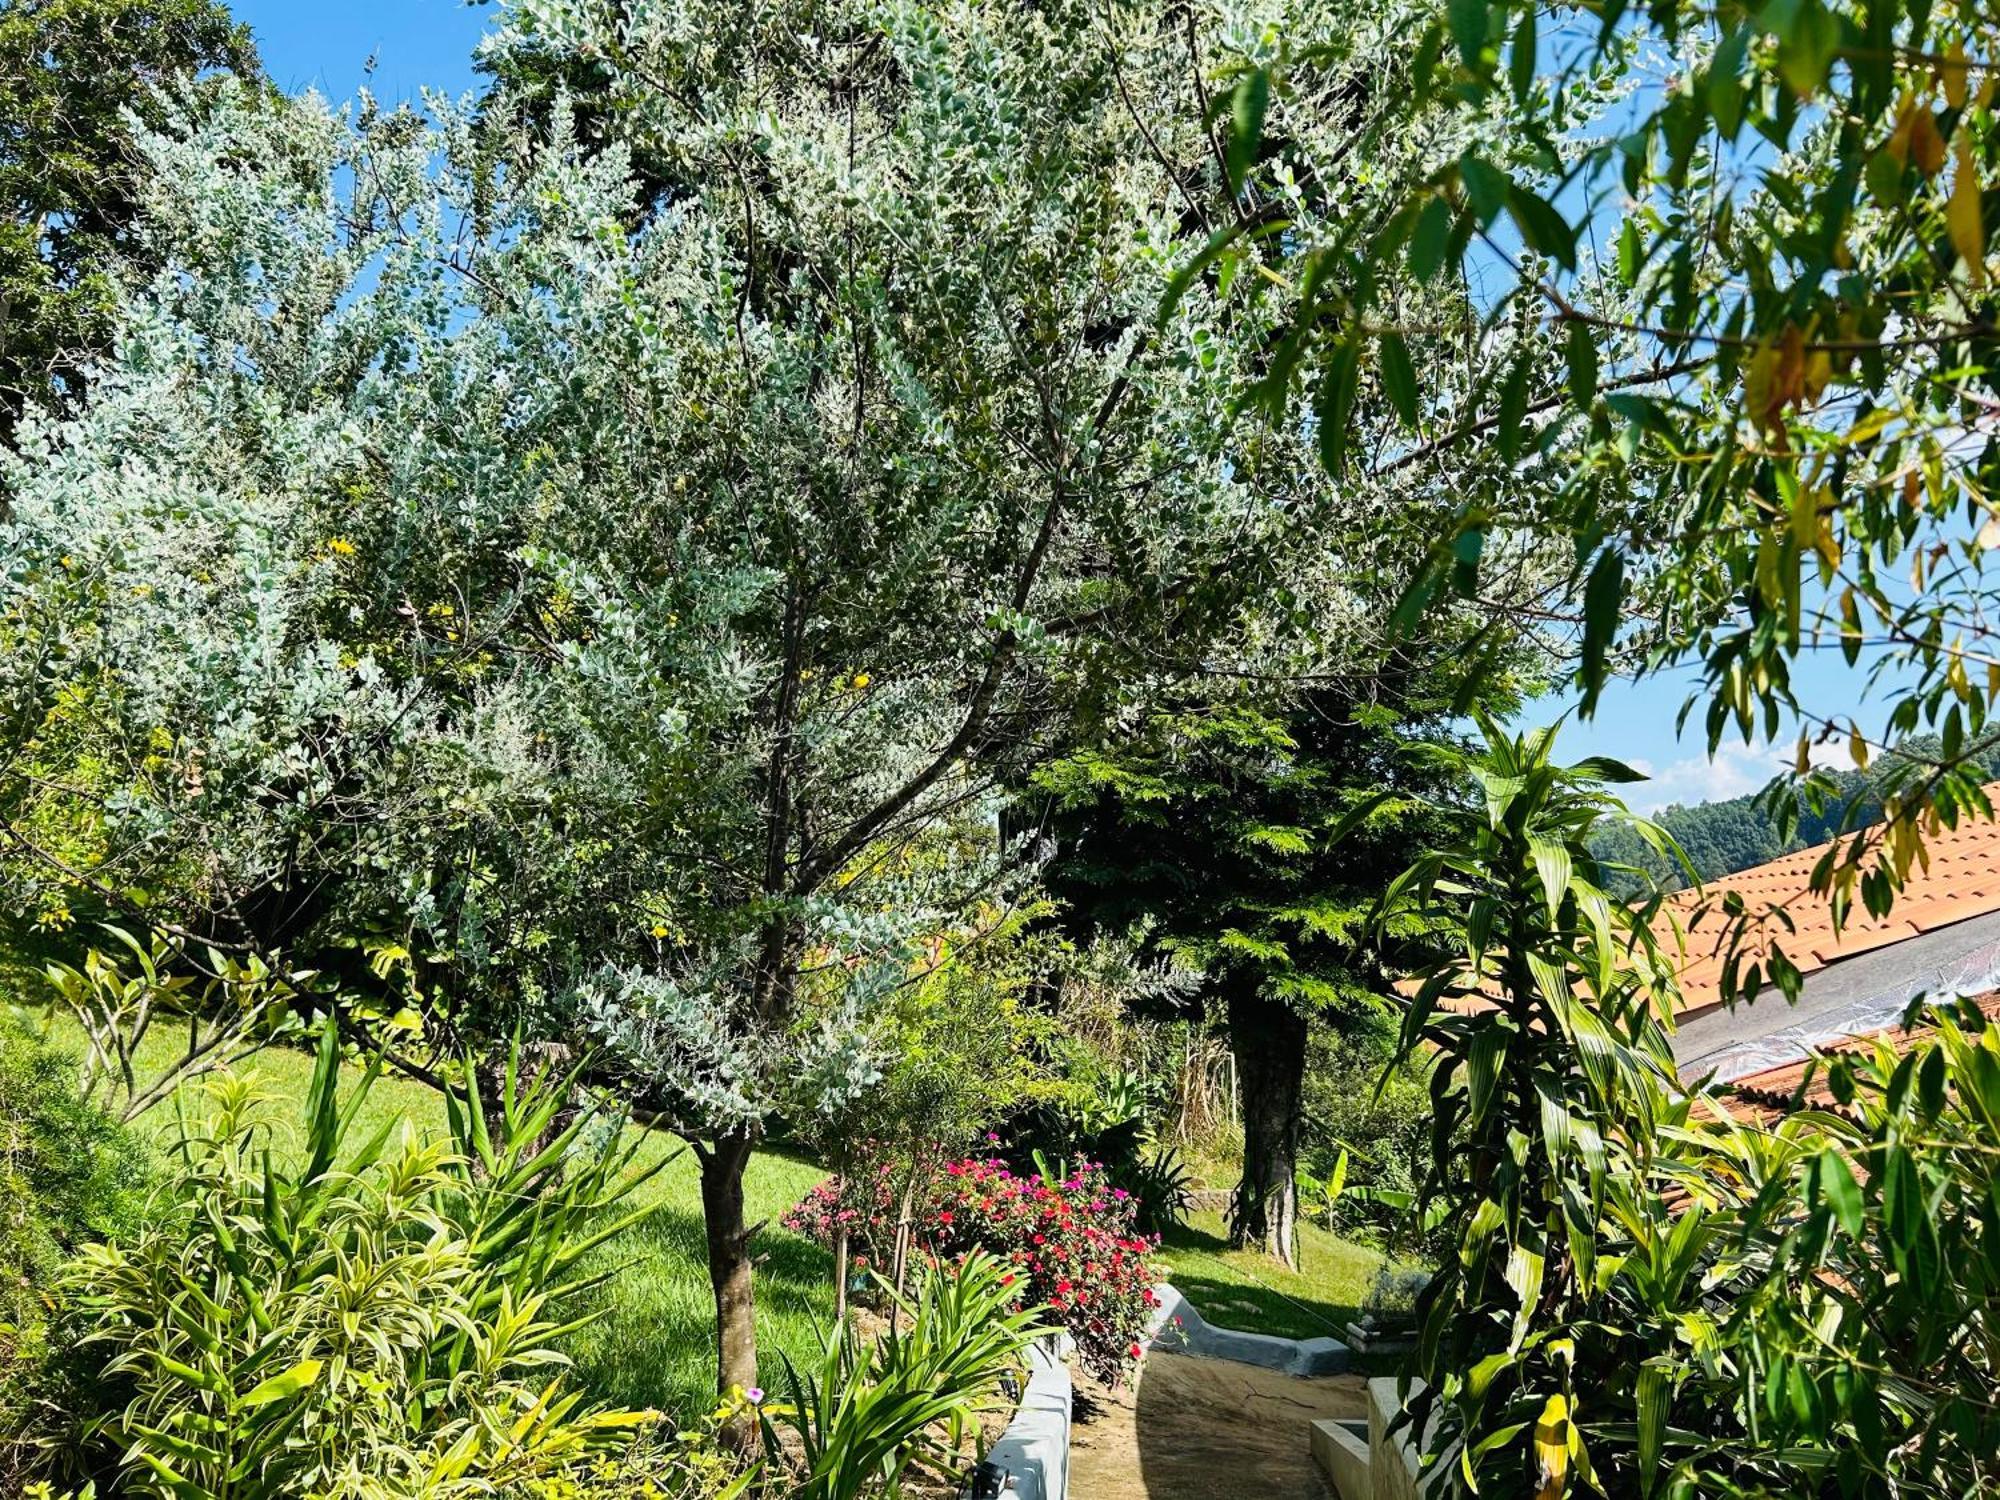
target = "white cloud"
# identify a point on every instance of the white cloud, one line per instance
(1735, 770)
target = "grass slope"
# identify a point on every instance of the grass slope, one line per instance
(653, 1341)
(1246, 1289)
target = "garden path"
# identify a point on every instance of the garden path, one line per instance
(1204, 1429)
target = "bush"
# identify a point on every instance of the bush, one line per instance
(1378, 1112)
(1072, 1240)
(381, 1321)
(68, 1174)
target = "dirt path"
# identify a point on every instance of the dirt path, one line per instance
(1205, 1429)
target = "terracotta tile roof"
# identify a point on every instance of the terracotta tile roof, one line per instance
(1962, 881)
(1767, 1097)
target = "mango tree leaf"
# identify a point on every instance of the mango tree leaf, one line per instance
(1399, 377)
(1542, 228)
(1247, 104)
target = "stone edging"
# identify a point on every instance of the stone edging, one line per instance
(1034, 1450)
(1179, 1328)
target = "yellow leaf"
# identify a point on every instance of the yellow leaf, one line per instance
(1552, 1445)
(1953, 71)
(1926, 142)
(1757, 384)
(1805, 516)
(1961, 214)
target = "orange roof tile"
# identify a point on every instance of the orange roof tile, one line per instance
(1962, 881)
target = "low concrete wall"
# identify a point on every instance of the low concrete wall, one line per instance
(1179, 1328)
(1372, 1463)
(1034, 1450)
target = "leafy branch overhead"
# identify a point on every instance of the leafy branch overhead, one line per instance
(1733, 268)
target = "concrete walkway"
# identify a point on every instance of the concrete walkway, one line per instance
(1206, 1429)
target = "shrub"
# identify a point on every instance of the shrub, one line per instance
(68, 1175)
(1377, 1112)
(380, 1321)
(1071, 1240)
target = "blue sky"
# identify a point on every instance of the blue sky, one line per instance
(418, 43)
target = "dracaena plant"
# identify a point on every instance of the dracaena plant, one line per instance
(1648, 1295)
(1552, 1073)
(379, 1317)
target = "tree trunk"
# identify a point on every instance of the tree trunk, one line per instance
(722, 1166)
(1269, 1040)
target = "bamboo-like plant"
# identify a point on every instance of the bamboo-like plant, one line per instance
(380, 1319)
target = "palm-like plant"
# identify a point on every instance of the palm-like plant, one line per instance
(1549, 1015)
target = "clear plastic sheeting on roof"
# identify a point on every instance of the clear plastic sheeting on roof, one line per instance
(1972, 973)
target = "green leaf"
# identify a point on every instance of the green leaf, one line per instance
(1486, 187)
(1581, 350)
(299, 1377)
(1604, 768)
(1842, 1194)
(1183, 278)
(1482, 1070)
(1399, 377)
(1429, 240)
(1725, 86)
(1335, 405)
(1468, 20)
(1902, 1199)
(1542, 227)
(1356, 815)
(1603, 603)
(1513, 411)
(1552, 865)
(1521, 62)
(1652, 1399)
(1631, 254)
(1247, 104)
(1808, 35)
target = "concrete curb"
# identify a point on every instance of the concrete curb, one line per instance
(1034, 1450)
(1178, 1328)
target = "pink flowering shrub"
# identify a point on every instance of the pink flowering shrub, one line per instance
(1073, 1242)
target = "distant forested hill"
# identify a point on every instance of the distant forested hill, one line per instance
(1723, 837)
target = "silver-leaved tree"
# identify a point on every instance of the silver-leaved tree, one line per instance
(592, 577)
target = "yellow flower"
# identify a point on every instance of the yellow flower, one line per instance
(340, 546)
(659, 929)
(862, 679)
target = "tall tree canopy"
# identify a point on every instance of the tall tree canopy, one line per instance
(73, 74)
(620, 622)
(1217, 834)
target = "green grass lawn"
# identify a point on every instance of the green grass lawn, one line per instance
(1248, 1290)
(653, 1342)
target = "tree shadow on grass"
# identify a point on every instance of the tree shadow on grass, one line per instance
(1232, 1296)
(652, 1341)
